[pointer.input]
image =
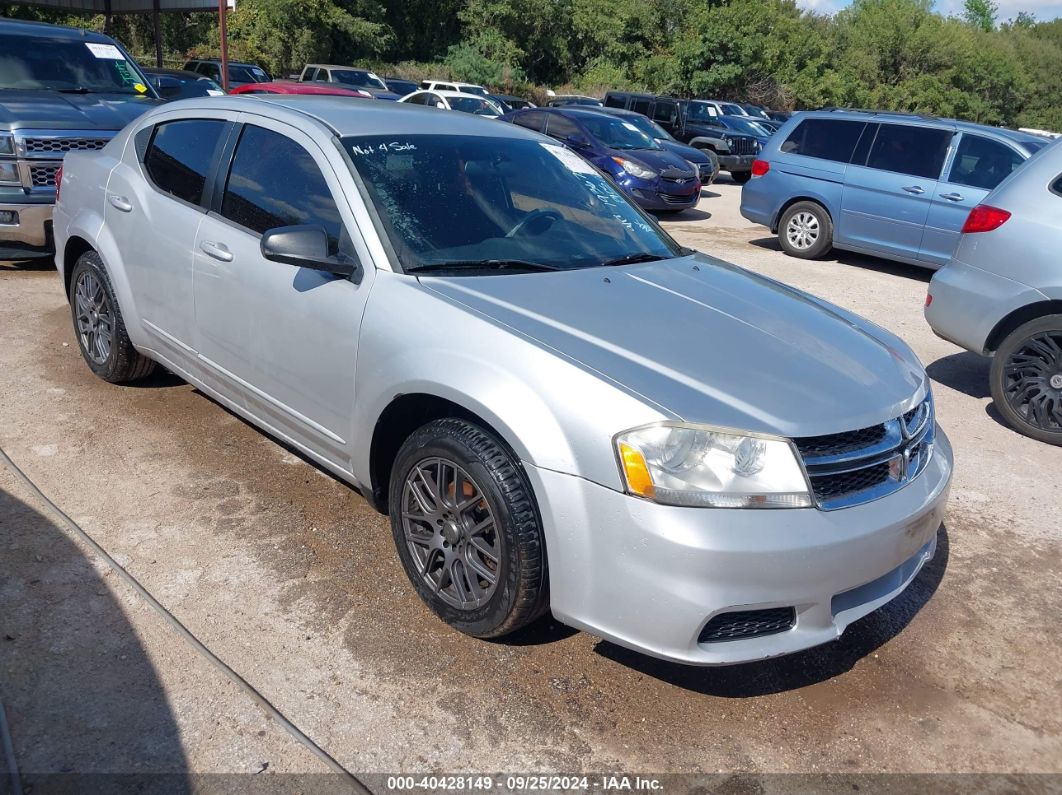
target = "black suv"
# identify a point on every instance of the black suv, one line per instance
(735, 150)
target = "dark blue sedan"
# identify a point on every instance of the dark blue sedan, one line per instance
(655, 178)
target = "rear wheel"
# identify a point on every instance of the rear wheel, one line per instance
(466, 528)
(741, 177)
(99, 327)
(1026, 379)
(805, 230)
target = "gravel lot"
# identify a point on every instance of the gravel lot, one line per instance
(292, 579)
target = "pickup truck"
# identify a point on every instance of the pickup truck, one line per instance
(61, 90)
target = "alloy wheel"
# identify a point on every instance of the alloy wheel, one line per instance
(95, 320)
(802, 231)
(451, 533)
(1032, 380)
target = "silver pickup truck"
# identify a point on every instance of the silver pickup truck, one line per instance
(61, 90)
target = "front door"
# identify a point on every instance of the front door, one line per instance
(281, 340)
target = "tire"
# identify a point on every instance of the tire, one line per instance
(436, 538)
(99, 327)
(1026, 379)
(741, 177)
(811, 235)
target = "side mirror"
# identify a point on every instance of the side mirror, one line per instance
(304, 246)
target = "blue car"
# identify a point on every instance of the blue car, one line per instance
(655, 178)
(705, 160)
(892, 185)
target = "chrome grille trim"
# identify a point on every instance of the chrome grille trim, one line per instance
(53, 144)
(854, 476)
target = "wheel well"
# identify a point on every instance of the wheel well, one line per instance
(1019, 317)
(402, 416)
(790, 203)
(75, 247)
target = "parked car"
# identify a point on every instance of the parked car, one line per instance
(780, 115)
(655, 178)
(347, 77)
(694, 123)
(399, 86)
(174, 84)
(891, 185)
(453, 85)
(560, 408)
(60, 89)
(705, 160)
(513, 103)
(240, 73)
(754, 110)
(1000, 294)
(563, 100)
(724, 108)
(455, 100)
(292, 87)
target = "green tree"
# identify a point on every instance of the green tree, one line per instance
(980, 13)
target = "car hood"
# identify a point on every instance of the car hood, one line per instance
(660, 160)
(54, 111)
(690, 153)
(707, 341)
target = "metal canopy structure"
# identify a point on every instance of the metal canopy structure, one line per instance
(154, 7)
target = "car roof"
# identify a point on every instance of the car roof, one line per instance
(20, 27)
(340, 116)
(898, 117)
(448, 94)
(337, 66)
(152, 70)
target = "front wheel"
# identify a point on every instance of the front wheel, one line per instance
(467, 531)
(1026, 379)
(805, 230)
(741, 177)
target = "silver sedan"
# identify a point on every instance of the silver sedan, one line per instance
(559, 407)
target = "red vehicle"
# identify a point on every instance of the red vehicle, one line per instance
(285, 87)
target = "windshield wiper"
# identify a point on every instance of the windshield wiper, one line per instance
(631, 259)
(483, 264)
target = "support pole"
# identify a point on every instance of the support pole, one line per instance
(224, 36)
(107, 27)
(156, 26)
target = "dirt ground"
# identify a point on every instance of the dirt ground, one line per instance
(288, 576)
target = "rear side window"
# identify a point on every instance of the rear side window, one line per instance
(826, 139)
(533, 120)
(982, 163)
(179, 155)
(642, 106)
(275, 182)
(908, 149)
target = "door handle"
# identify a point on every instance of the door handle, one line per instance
(952, 197)
(915, 189)
(120, 202)
(216, 250)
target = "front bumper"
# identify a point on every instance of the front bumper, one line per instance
(31, 232)
(663, 199)
(650, 577)
(734, 163)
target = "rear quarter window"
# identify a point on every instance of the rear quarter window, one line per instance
(825, 139)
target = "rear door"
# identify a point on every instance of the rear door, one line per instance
(978, 164)
(886, 199)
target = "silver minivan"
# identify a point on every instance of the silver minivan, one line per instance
(559, 407)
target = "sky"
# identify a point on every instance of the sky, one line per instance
(1043, 10)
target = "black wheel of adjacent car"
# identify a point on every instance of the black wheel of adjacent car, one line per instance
(1026, 379)
(741, 177)
(467, 529)
(805, 230)
(99, 327)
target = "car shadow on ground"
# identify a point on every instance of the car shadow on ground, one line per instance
(39, 264)
(964, 372)
(864, 261)
(810, 667)
(80, 692)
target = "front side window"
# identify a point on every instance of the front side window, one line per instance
(356, 77)
(274, 182)
(179, 155)
(665, 112)
(532, 120)
(982, 163)
(700, 112)
(563, 128)
(67, 65)
(826, 139)
(473, 201)
(909, 149)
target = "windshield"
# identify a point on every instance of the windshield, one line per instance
(60, 65)
(360, 79)
(247, 74)
(617, 133)
(479, 91)
(700, 111)
(475, 199)
(648, 126)
(747, 126)
(482, 107)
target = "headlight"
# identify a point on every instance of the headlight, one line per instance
(9, 174)
(701, 466)
(7, 145)
(636, 169)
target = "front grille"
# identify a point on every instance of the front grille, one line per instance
(854, 467)
(43, 176)
(671, 199)
(748, 624)
(744, 146)
(61, 145)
